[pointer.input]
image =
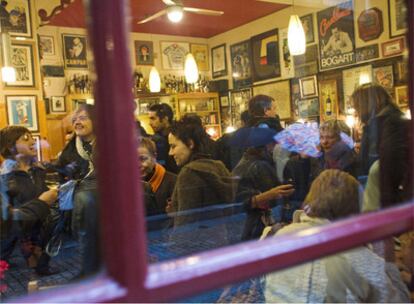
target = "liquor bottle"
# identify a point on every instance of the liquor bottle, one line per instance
(328, 104)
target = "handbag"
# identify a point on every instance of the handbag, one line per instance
(65, 195)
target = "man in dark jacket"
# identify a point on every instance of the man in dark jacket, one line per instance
(262, 108)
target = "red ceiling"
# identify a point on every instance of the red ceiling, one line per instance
(236, 13)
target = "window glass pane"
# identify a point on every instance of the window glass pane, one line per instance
(49, 217)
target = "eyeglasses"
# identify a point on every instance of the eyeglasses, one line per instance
(81, 118)
(143, 158)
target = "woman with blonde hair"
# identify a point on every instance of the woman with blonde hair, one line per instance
(356, 275)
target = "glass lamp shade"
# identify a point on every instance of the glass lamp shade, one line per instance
(154, 81)
(175, 13)
(190, 69)
(296, 36)
(8, 74)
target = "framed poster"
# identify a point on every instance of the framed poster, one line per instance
(200, 53)
(265, 55)
(384, 76)
(393, 47)
(144, 52)
(46, 45)
(57, 105)
(286, 60)
(402, 71)
(336, 36)
(401, 96)
(240, 64)
(307, 23)
(308, 86)
(15, 18)
(280, 92)
(398, 13)
(328, 99)
(74, 51)
(22, 111)
(352, 79)
(367, 52)
(308, 108)
(370, 25)
(219, 61)
(306, 64)
(239, 103)
(22, 61)
(173, 54)
(38, 144)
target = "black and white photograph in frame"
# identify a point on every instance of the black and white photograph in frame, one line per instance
(47, 45)
(57, 105)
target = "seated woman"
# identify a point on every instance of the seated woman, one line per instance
(25, 200)
(356, 275)
(201, 181)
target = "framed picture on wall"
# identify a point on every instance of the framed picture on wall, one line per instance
(307, 23)
(308, 108)
(240, 64)
(392, 47)
(279, 91)
(173, 54)
(22, 61)
(398, 13)
(46, 45)
(22, 111)
(144, 52)
(15, 18)
(287, 69)
(265, 55)
(219, 61)
(57, 105)
(352, 79)
(200, 53)
(74, 51)
(239, 103)
(328, 99)
(308, 86)
(401, 96)
(384, 76)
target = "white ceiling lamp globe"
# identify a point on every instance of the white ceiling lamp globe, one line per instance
(175, 13)
(190, 69)
(296, 36)
(154, 81)
(8, 74)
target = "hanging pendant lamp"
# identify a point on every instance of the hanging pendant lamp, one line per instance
(8, 72)
(190, 69)
(154, 80)
(296, 36)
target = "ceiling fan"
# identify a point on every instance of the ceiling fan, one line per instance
(175, 10)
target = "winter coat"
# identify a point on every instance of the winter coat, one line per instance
(356, 276)
(158, 201)
(256, 174)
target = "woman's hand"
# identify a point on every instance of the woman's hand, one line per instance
(49, 197)
(261, 200)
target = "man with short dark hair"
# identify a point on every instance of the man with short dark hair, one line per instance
(160, 119)
(262, 109)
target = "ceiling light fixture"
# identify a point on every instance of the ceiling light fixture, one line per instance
(190, 69)
(154, 80)
(8, 72)
(175, 13)
(296, 35)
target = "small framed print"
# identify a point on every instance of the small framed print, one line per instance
(401, 96)
(384, 76)
(307, 23)
(308, 87)
(393, 47)
(219, 61)
(308, 108)
(173, 54)
(144, 52)
(398, 13)
(15, 18)
(200, 53)
(23, 63)
(57, 105)
(224, 101)
(46, 45)
(38, 144)
(74, 51)
(22, 111)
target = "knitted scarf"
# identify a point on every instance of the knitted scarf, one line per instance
(157, 177)
(85, 154)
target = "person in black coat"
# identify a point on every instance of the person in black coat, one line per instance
(26, 200)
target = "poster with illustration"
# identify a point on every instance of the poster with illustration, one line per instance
(265, 55)
(22, 61)
(21, 111)
(240, 64)
(144, 52)
(15, 18)
(286, 59)
(74, 51)
(336, 36)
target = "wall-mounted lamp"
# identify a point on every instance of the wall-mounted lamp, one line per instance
(154, 80)
(8, 72)
(190, 69)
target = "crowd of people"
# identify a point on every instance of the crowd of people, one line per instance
(185, 174)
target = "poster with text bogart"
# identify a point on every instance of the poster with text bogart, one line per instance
(336, 36)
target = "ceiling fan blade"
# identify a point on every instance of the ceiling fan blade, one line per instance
(203, 11)
(169, 2)
(152, 17)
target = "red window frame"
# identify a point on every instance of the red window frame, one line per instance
(127, 276)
